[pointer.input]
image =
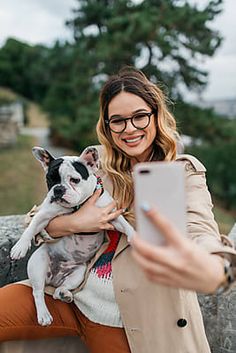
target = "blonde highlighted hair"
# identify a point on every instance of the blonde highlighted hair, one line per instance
(114, 161)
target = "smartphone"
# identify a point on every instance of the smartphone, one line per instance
(161, 185)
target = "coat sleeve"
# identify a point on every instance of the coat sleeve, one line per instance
(201, 225)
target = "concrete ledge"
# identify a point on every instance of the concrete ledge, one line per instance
(219, 312)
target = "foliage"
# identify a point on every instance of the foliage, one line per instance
(220, 160)
(203, 124)
(165, 38)
(22, 68)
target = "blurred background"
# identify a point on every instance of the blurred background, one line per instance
(55, 56)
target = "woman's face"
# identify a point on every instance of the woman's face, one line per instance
(134, 142)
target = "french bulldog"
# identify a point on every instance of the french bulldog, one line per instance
(71, 180)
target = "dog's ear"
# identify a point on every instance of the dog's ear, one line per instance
(90, 157)
(43, 156)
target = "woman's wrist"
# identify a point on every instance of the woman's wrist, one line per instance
(228, 277)
(224, 273)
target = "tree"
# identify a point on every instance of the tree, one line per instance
(165, 38)
(22, 68)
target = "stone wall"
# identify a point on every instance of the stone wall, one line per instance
(11, 120)
(219, 312)
(8, 132)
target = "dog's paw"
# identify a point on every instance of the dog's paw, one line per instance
(45, 318)
(63, 294)
(20, 249)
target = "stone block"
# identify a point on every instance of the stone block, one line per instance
(11, 228)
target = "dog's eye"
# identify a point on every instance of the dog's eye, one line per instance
(74, 180)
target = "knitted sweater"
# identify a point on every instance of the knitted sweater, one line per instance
(97, 300)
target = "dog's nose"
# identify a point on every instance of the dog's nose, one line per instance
(59, 190)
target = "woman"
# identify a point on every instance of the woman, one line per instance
(120, 308)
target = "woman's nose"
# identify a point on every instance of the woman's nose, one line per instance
(129, 126)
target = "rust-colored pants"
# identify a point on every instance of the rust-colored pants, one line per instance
(18, 321)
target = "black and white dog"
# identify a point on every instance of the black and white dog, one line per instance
(71, 181)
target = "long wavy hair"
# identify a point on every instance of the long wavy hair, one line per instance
(114, 161)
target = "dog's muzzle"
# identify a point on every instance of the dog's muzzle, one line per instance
(58, 192)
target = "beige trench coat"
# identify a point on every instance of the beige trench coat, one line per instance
(159, 319)
(152, 313)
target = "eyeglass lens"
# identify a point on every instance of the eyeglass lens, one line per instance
(139, 121)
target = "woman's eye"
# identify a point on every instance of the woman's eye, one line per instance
(139, 117)
(117, 121)
(74, 180)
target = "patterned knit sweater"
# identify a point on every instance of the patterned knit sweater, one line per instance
(97, 300)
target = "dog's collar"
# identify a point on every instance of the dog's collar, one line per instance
(99, 186)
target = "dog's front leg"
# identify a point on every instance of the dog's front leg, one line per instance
(38, 223)
(123, 226)
(37, 270)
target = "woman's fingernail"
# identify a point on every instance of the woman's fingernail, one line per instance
(125, 210)
(145, 206)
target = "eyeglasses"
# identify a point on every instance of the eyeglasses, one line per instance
(140, 121)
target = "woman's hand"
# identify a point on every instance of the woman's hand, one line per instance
(89, 218)
(180, 263)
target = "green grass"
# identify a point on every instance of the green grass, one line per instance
(7, 95)
(21, 178)
(225, 219)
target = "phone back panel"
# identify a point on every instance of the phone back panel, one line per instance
(162, 185)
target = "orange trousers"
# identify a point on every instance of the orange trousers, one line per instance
(18, 321)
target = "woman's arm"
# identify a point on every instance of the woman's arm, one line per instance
(195, 262)
(89, 218)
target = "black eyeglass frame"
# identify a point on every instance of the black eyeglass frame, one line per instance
(149, 114)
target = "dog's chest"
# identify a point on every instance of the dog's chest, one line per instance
(66, 254)
(77, 248)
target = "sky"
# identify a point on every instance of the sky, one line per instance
(43, 21)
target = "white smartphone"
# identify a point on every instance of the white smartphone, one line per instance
(161, 185)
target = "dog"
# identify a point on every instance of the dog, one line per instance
(71, 180)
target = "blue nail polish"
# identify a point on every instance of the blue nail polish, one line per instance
(145, 206)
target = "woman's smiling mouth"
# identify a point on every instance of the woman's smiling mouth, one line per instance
(133, 139)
